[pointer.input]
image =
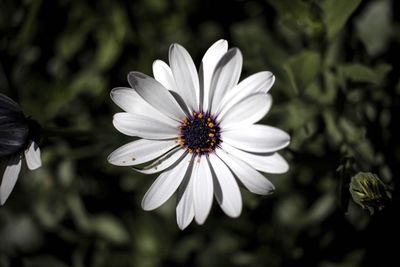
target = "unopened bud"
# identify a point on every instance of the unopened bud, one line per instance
(368, 191)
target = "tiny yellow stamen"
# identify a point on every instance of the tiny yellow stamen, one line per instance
(211, 125)
(211, 135)
(200, 116)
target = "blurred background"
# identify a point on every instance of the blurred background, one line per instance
(337, 93)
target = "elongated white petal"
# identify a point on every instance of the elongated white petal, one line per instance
(156, 95)
(249, 111)
(10, 177)
(130, 101)
(140, 151)
(229, 197)
(163, 74)
(143, 126)
(184, 207)
(256, 138)
(208, 64)
(270, 162)
(260, 82)
(163, 162)
(165, 185)
(254, 181)
(202, 190)
(32, 156)
(226, 75)
(185, 74)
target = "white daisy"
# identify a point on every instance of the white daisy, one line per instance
(198, 129)
(17, 135)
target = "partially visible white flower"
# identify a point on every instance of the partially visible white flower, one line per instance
(17, 134)
(199, 130)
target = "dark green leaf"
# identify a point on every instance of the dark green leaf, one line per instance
(337, 12)
(302, 69)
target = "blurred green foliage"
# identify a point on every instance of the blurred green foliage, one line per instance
(337, 93)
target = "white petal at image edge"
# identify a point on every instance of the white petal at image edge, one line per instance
(33, 157)
(10, 177)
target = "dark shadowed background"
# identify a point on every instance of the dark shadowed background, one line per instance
(337, 93)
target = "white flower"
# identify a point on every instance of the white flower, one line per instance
(17, 134)
(199, 130)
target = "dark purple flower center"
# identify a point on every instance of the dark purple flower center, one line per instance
(200, 133)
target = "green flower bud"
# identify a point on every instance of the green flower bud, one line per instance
(368, 191)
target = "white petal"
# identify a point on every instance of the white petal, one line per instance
(229, 197)
(225, 77)
(254, 181)
(185, 208)
(163, 74)
(270, 162)
(185, 74)
(145, 127)
(156, 95)
(249, 111)
(130, 101)
(32, 156)
(208, 64)
(163, 162)
(202, 189)
(10, 177)
(260, 82)
(165, 185)
(140, 151)
(256, 138)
